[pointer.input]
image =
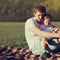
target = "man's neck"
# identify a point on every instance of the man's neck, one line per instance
(38, 21)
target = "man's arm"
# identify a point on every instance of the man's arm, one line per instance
(41, 33)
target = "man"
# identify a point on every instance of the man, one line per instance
(34, 34)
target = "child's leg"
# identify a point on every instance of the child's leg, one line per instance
(58, 40)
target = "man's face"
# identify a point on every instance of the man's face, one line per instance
(39, 16)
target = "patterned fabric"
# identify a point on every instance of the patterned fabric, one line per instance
(14, 53)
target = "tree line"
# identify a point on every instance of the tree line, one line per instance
(20, 10)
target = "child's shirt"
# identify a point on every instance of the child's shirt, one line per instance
(47, 29)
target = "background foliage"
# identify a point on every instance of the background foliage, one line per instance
(20, 10)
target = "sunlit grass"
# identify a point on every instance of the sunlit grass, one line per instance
(12, 33)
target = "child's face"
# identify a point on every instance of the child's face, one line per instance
(46, 21)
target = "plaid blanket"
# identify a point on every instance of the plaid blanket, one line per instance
(14, 53)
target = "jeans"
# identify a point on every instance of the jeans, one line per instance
(52, 47)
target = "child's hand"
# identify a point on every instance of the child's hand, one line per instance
(58, 31)
(54, 30)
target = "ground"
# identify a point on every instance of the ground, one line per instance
(14, 53)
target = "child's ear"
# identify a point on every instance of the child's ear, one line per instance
(34, 13)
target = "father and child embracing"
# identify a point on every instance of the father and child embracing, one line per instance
(41, 35)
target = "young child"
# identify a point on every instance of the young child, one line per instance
(48, 27)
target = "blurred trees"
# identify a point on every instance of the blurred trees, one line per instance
(53, 7)
(20, 10)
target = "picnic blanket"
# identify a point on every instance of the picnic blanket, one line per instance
(15, 53)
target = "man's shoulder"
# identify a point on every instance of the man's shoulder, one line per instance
(30, 20)
(42, 26)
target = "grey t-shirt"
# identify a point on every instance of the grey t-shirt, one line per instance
(33, 40)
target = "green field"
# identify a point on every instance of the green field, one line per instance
(12, 34)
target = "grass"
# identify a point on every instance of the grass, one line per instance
(12, 33)
(57, 24)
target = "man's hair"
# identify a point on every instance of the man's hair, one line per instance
(48, 16)
(40, 8)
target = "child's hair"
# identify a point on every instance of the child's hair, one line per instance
(48, 16)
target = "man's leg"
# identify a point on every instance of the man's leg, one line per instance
(57, 50)
(44, 43)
